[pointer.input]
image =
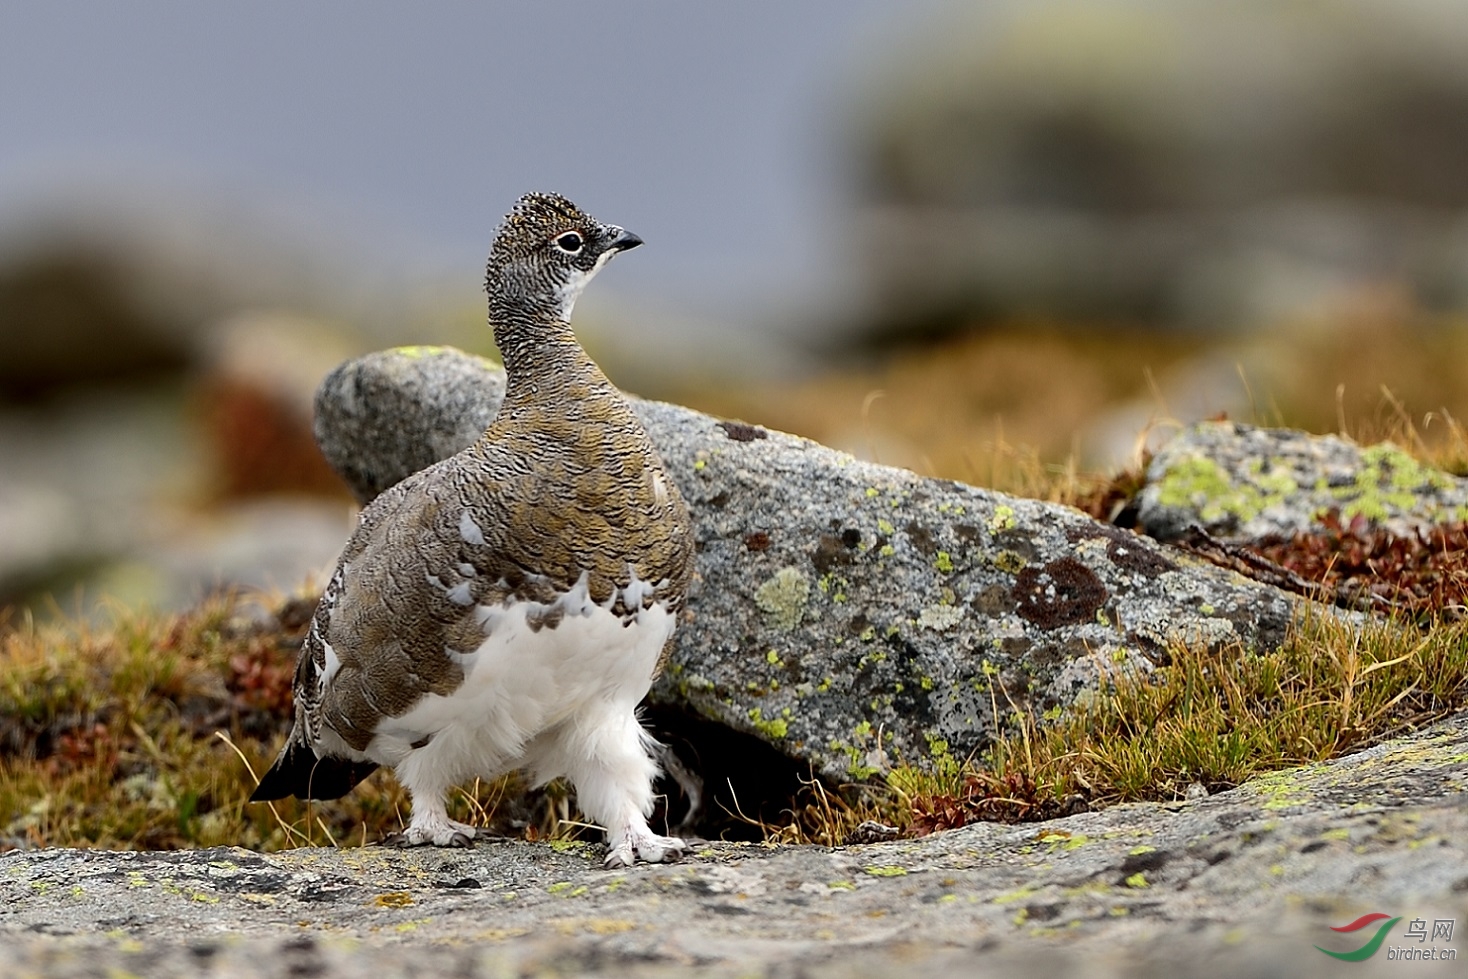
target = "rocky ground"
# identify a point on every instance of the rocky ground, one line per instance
(1243, 883)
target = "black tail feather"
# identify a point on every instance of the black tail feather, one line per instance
(298, 772)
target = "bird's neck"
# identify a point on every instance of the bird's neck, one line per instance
(545, 364)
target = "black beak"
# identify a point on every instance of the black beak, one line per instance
(624, 241)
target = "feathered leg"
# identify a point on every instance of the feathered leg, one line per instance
(606, 756)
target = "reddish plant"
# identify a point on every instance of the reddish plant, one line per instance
(1424, 573)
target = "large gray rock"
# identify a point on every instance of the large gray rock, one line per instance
(386, 415)
(1243, 883)
(1243, 483)
(854, 615)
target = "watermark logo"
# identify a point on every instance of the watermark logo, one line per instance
(1369, 949)
(1417, 928)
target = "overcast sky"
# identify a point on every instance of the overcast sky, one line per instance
(709, 129)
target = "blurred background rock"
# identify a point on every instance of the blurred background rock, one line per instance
(987, 241)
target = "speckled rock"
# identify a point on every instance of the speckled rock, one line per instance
(1243, 483)
(386, 415)
(852, 615)
(1242, 883)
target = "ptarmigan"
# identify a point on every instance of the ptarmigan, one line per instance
(508, 607)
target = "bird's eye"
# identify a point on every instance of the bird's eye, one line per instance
(570, 243)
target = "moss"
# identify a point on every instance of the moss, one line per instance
(856, 767)
(783, 598)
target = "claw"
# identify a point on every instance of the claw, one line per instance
(643, 845)
(449, 833)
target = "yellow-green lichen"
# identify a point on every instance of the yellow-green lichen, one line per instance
(1008, 561)
(783, 597)
(1389, 480)
(1018, 894)
(943, 562)
(1002, 520)
(1200, 483)
(877, 870)
(775, 727)
(418, 351)
(833, 585)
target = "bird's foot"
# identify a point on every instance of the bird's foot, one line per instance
(430, 831)
(640, 843)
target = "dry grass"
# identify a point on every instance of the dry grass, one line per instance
(144, 733)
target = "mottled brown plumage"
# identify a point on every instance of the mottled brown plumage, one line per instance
(562, 509)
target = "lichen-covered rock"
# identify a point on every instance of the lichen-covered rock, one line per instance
(1244, 483)
(855, 615)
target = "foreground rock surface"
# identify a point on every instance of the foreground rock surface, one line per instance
(1244, 483)
(1240, 883)
(852, 615)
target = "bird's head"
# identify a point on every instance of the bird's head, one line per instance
(545, 252)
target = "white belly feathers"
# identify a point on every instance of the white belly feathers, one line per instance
(541, 666)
